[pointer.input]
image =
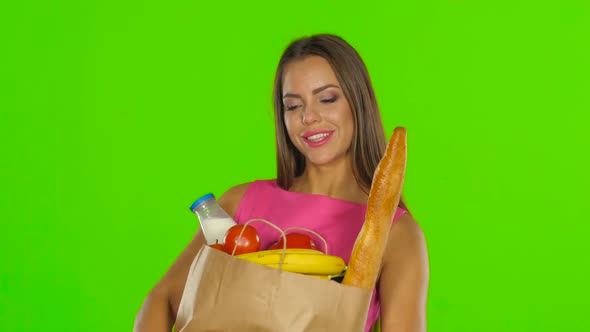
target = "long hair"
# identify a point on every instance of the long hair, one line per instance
(368, 142)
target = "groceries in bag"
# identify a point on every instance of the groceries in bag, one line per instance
(213, 219)
(297, 252)
(364, 265)
(291, 302)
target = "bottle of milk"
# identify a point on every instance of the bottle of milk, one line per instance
(214, 220)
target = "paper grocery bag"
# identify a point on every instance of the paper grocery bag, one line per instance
(225, 293)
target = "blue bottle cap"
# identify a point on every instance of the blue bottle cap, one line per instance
(201, 200)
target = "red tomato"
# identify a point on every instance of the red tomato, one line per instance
(218, 246)
(295, 240)
(249, 242)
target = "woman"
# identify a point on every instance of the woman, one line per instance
(329, 139)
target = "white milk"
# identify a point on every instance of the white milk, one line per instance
(214, 229)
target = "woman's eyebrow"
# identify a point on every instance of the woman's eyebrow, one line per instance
(315, 91)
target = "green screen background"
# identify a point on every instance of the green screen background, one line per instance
(115, 116)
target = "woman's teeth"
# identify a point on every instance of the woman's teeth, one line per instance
(318, 137)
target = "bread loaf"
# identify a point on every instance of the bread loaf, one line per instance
(384, 196)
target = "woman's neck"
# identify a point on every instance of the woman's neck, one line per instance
(335, 180)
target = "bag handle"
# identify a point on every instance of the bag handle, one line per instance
(272, 225)
(312, 232)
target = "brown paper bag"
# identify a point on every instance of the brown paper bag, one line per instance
(225, 293)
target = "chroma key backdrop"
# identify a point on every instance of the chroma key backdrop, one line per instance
(116, 115)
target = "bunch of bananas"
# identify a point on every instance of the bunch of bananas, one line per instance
(309, 262)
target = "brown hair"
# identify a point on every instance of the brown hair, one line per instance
(368, 142)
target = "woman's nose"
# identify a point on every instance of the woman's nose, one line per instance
(310, 116)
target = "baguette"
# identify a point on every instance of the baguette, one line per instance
(384, 196)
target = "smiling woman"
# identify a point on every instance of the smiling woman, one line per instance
(329, 141)
(317, 114)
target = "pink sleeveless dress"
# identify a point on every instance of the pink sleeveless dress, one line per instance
(338, 221)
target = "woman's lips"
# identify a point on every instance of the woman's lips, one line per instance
(317, 138)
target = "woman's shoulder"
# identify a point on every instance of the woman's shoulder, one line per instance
(231, 198)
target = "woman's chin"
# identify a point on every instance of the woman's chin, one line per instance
(324, 160)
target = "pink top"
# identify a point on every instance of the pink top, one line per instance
(338, 221)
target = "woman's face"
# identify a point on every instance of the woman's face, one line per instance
(317, 115)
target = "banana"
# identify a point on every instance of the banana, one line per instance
(325, 276)
(315, 263)
(257, 254)
(320, 276)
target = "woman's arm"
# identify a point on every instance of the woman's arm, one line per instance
(158, 312)
(403, 285)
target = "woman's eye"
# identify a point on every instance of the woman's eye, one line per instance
(292, 107)
(329, 101)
